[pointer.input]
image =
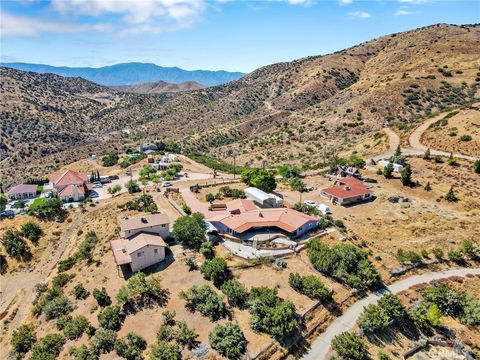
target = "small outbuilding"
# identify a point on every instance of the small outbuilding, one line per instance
(262, 199)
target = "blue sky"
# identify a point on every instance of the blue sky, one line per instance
(207, 34)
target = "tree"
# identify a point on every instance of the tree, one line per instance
(392, 306)
(204, 300)
(438, 253)
(297, 185)
(450, 196)
(350, 347)
(23, 339)
(289, 171)
(48, 348)
(103, 342)
(131, 346)
(14, 245)
(476, 166)
(388, 170)
(32, 231)
(132, 186)
(140, 291)
(428, 186)
(373, 319)
(209, 197)
(382, 355)
(3, 202)
(49, 209)
(190, 230)
(58, 306)
(398, 157)
(206, 249)
(215, 270)
(468, 247)
(80, 292)
(110, 159)
(455, 256)
(259, 178)
(184, 335)
(236, 293)
(310, 286)
(110, 318)
(102, 297)
(434, 315)
(427, 155)
(165, 351)
(228, 340)
(406, 176)
(74, 328)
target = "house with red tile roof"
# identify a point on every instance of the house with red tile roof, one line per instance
(69, 185)
(243, 216)
(346, 191)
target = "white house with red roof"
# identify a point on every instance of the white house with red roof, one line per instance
(69, 185)
(347, 190)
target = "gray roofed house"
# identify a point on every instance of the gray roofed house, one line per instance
(22, 191)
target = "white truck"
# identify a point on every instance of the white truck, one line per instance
(324, 209)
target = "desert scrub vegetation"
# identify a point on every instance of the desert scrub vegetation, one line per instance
(141, 203)
(350, 347)
(271, 314)
(173, 330)
(344, 262)
(84, 252)
(215, 270)
(141, 291)
(72, 327)
(228, 339)
(23, 339)
(15, 246)
(236, 293)
(311, 286)
(204, 300)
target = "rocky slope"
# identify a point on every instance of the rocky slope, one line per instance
(304, 108)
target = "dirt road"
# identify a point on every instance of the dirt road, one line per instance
(321, 346)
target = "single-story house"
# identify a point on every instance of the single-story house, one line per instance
(347, 191)
(69, 185)
(262, 199)
(23, 191)
(286, 220)
(147, 147)
(141, 242)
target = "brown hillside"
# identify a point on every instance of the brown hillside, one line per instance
(327, 102)
(159, 87)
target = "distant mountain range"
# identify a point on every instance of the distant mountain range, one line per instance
(159, 87)
(133, 73)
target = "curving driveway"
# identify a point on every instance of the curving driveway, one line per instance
(321, 346)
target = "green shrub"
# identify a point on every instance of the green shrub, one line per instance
(373, 319)
(204, 300)
(190, 231)
(102, 297)
(110, 318)
(141, 291)
(80, 292)
(48, 209)
(61, 280)
(32, 231)
(310, 286)
(103, 342)
(23, 339)
(48, 348)
(110, 159)
(236, 293)
(75, 328)
(350, 347)
(215, 270)
(165, 351)
(131, 346)
(57, 307)
(15, 246)
(228, 340)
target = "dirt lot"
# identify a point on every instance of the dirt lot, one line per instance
(448, 137)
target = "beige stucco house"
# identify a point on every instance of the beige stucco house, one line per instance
(141, 242)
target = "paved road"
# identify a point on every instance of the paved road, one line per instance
(321, 346)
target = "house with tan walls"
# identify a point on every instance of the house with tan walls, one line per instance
(141, 242)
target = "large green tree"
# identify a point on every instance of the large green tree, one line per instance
(228, 340)
(190, 231)
(259, 178)
(350, 347)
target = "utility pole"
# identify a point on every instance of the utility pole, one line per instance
(234, 154)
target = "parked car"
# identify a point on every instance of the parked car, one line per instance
(97, 184)
(7, 214)
(166, 184)
(113, 177)
(369, 180)
(308, 188)
(324, 209)
(310, 203)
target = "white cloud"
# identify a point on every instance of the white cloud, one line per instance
(299, 2)
(14, 25)
(139, 15)
(402, 12)
(360, 14)
(345, 2)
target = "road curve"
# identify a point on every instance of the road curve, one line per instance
(321, 346)
(416, 144)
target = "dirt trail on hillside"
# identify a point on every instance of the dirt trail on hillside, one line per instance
(18, 289)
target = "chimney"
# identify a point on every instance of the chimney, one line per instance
(347, 188)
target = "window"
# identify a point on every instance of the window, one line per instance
(155, 251)
(139, 254)
(163, 225)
